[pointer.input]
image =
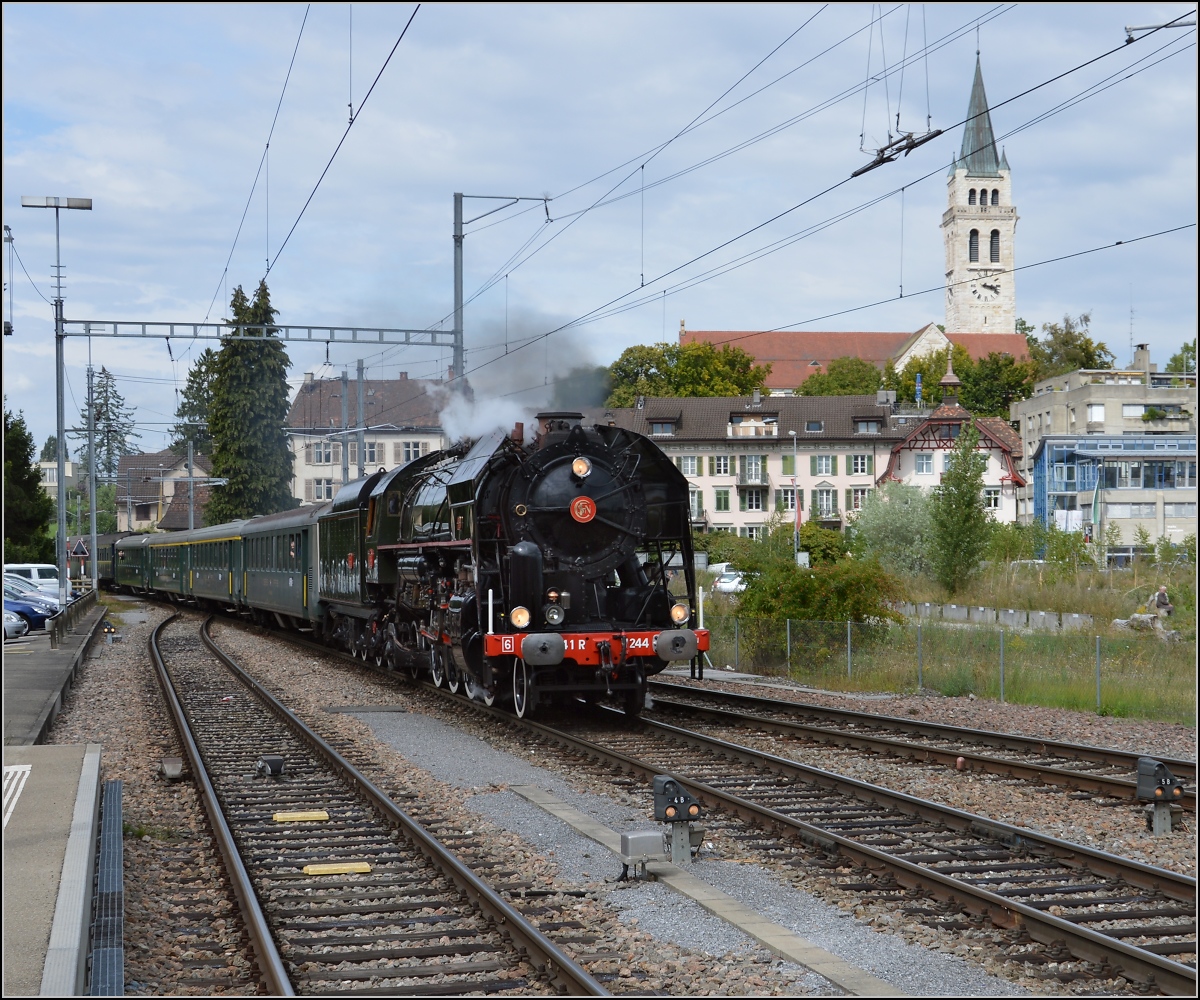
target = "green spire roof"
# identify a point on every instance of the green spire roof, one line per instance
(978, 153)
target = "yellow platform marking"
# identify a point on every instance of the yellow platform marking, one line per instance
(301, 816)
(348, 868)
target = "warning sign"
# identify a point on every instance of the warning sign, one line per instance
(80, 549)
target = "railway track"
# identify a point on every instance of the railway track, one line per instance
(340, 891)
(1097, 770)
(1117, 914)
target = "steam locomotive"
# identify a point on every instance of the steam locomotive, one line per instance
(520, 573)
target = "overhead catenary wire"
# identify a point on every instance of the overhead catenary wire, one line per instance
(261, 163)
(354, 118)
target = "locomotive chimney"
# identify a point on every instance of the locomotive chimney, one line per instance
(518, 433)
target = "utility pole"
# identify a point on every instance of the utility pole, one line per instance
(191, 489)
(345, 425)
(61, 541)
(92, 477)
(509, 200)
(362, 435)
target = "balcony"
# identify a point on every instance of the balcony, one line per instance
(748, 428)
(753, 479)
(699, 515)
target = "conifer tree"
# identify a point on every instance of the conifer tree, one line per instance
(115, 425)
(247, 415)
(28, 510)
(958, 514)
(194, 402)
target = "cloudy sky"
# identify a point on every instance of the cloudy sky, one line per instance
(674, 142)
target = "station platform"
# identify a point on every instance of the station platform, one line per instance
(51, 821)
(36, 678)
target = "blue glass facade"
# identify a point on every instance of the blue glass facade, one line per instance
(1065, 468)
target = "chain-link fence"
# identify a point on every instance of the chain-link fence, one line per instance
(1136, 675)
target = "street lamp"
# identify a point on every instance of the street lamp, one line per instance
(61, 542)
(795, 506)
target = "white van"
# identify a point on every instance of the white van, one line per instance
(41, 575)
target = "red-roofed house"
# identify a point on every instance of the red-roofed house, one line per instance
(795, 355)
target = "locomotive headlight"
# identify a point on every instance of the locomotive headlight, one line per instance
(680, 613)
(519, 616)
(581, 468)
(555, 614)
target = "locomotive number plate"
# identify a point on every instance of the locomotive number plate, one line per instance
(583, 509)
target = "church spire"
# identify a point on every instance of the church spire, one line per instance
(978, 153)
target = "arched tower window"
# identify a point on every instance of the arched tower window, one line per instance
(995, 196)
(974, 246)
(995, 246)
(971, 197)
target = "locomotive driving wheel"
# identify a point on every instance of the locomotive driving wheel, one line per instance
(522, 688)
(452, 679)
(437, 669)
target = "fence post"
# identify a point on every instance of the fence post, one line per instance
(735, 643)
(848, 660)
(789, 648)
(920, 678)
(1097, 675)
(1002, 666)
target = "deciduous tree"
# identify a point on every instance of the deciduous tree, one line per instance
(848, 376)
(1185, 359)
(894, 528)
(958, 514)
(1066, 347)
(247, 416)
(697, 369)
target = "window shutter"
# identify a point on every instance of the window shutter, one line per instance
(678, 463)
(741, 500)
(789, 465)
(833, 464)
(849, 500)
(812, 467)
(779, 499)
(742, 468)
(424, 447)
(799, 499)
(353, 453)
(308, 489)
(712, 466)
(871, 464)
(308, 454)
(763, 467)
(337, 454)
(815, 506)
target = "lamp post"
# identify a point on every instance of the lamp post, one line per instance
(795, 506)
(61, 541)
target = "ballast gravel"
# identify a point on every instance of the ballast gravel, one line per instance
(461, 759)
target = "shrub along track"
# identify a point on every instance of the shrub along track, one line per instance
(417, 921)
(1097, 770)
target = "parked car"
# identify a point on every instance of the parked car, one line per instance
(14, 625)
(26, 587)
(730, 582)
(719, 568)
(41, 575)
(34, 615)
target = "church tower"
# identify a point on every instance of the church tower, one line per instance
(979, 227)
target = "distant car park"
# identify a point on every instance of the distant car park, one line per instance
(34, 615)
(24, 586)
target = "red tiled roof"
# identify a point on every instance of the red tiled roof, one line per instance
(792, 353)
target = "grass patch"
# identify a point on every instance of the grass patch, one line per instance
(1140, 676)
(116, 605)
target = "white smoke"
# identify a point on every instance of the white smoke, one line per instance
(465, 418)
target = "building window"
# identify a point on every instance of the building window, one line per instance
(826, 502)
(973, 246)
(687, 465)
(946, 456)
(991, 498)
(754, 531)
(785, 499)
(971, 197)
(866, 427)
(752, 499)
(995, 196)
(924, 463)
(370, 452)
(1095, 413)
(1179, 509)
(994, 246)
(721, 500)
(662, 427)
(696, 504)
(718, 465)
(1128, 510)
(858, 497)
(404, 452)
(860, 465)
(814, 426)
(824, 465)
(1132, 409)
(754, 468)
